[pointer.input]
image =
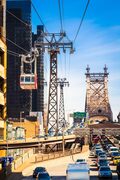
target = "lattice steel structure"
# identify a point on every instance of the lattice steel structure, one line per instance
(53, 42)
(62, 122)
(97, 102)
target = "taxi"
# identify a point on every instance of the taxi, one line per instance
(116, 160)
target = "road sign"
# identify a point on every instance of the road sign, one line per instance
(79, 115)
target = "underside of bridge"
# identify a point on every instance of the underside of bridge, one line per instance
(97, 104)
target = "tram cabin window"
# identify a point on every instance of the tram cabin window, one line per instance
(33, 79)
(27, 79)
(22, 79)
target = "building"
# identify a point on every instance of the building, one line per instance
(3, 66)
(31, 127)
(18, 100)
(38, 95)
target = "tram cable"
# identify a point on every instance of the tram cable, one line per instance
(60, 13)
(82, 19)
(18, 18)
(14, 43)
(39, 16)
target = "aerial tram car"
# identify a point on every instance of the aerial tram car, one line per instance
(28, 81)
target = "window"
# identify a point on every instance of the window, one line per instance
(27, 79)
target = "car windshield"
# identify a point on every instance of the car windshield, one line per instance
(102, 156)
(80, 160)
(105, 163)
(116, 154)
(114, 149)
(117, 158)
(101, 153)
(104, 169)
(42, 169)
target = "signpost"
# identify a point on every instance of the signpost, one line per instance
(79, 115)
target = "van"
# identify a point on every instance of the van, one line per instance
(78, 171)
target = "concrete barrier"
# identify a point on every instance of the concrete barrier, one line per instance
(19, 161)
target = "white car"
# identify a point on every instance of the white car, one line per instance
(113, 149)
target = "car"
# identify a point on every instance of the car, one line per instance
(43, 176)
(109, 145)
(112, 149)
(114, 154)
(38, 170)
(101, 153)
(98, 151)
(105, 172)
(116, 160)
(118, 170)
(101, 157)
(102, 162)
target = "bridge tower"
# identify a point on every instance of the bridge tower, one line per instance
(62, 122)
(97, 103)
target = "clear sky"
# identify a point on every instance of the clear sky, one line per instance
(97, 44)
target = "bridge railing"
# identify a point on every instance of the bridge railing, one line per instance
(54, 155)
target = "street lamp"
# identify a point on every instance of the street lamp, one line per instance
(7, 137)
(21, 122)
(63, 139)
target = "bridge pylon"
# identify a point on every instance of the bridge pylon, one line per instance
(97, 103)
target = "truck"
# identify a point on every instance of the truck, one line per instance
(78, 171)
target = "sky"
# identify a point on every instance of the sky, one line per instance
(97, 44)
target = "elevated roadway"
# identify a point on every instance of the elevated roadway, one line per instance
(18, 144)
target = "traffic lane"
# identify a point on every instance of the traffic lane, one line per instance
(94, 169)
(56, 167)
(53, 178)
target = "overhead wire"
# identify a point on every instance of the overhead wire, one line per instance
(60, 13)
(84, 13)
(39, 16)
(26, 24)
(12, 52)
(14, 44)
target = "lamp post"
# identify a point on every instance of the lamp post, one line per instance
(7, 138)
(63, 139)
(21, 122)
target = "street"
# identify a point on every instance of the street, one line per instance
(57, 168)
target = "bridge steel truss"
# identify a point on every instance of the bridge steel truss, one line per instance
(54, 42)
(97, 103)
(62, 122)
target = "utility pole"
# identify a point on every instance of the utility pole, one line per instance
(54, 42)
(62, 122)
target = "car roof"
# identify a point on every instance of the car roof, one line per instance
(40, 168)
(103, 167)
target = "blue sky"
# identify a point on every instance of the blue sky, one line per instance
(97, 44)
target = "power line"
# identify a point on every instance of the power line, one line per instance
(39, 16)
(14, 43)
(61, 22)
(81, 20)
(18, 18)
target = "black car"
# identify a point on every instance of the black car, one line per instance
(38, 170)
(44, 176)
(118, 170)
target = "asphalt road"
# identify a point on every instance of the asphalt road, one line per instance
(57, 168)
